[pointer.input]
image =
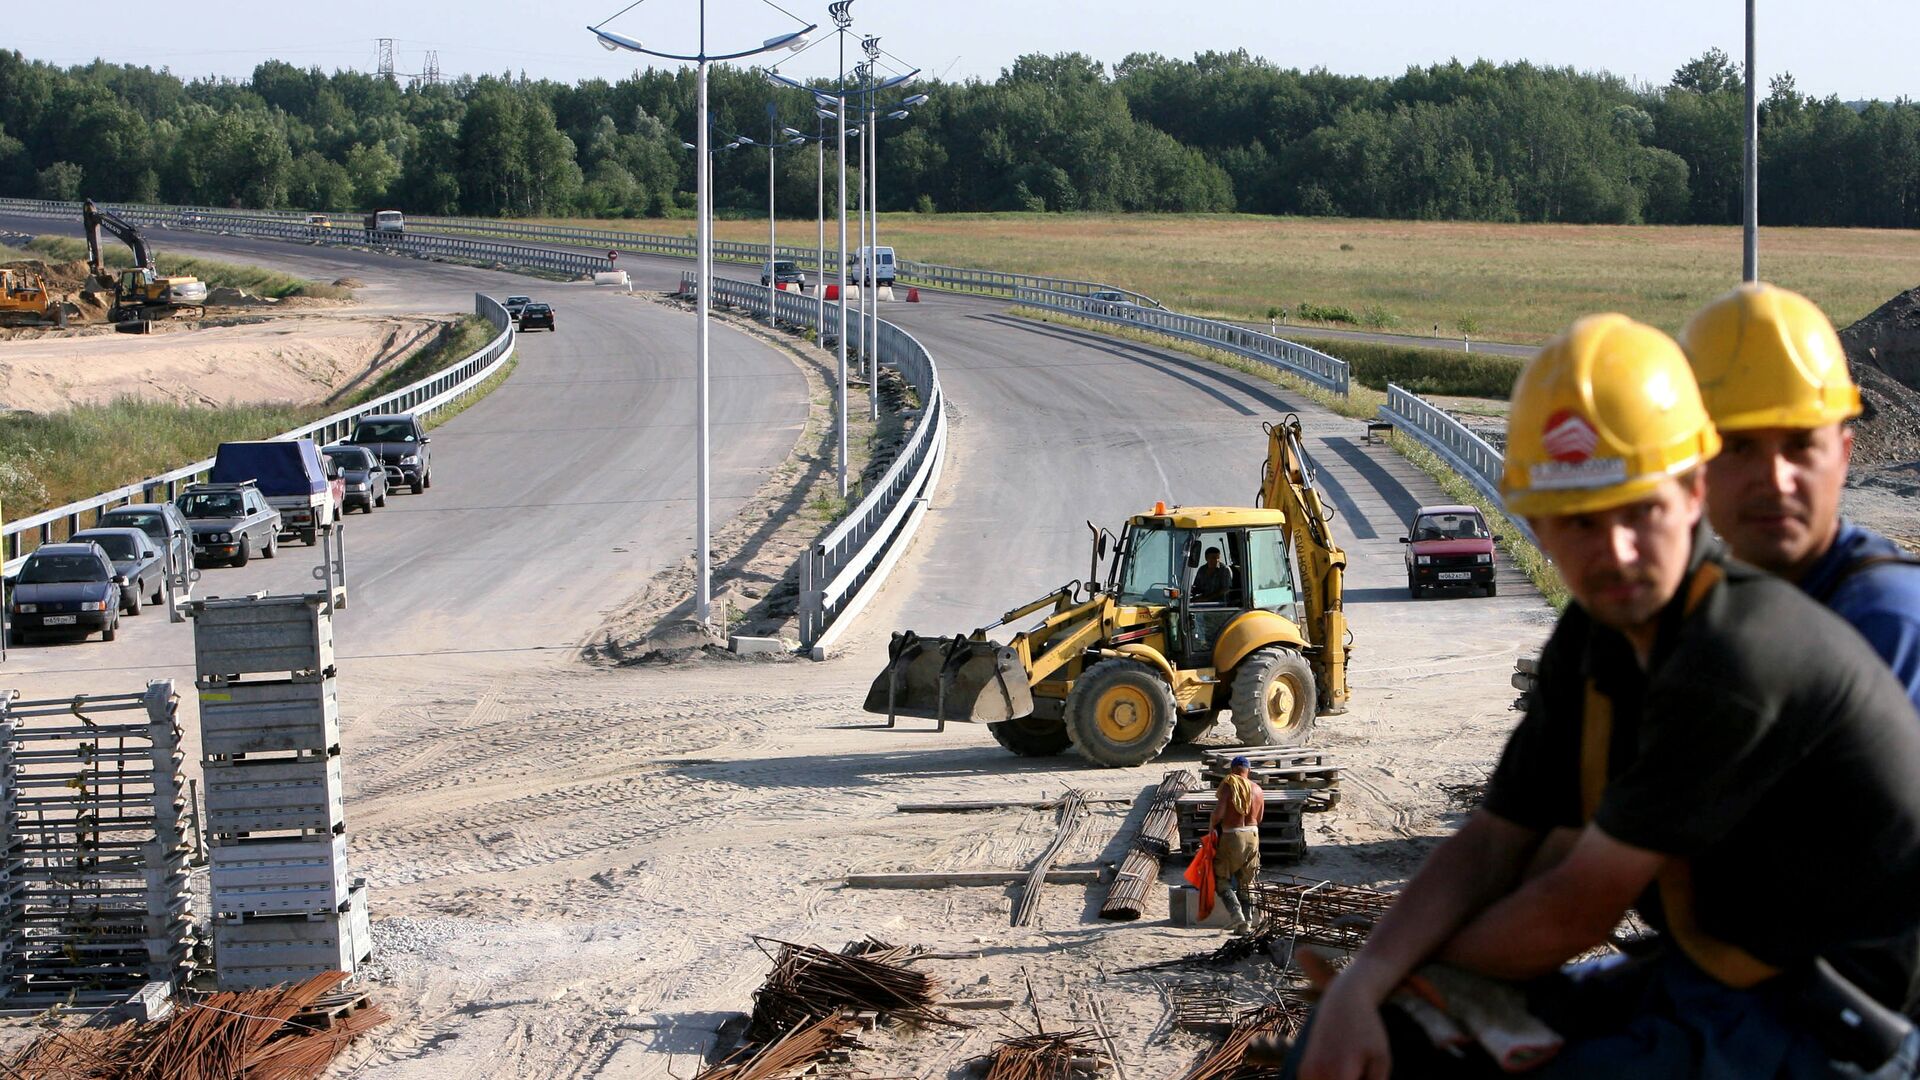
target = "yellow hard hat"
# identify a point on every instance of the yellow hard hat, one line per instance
(1605, 412)
(1766, 357)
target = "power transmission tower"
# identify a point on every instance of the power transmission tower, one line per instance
(430, 71)
(386, 57)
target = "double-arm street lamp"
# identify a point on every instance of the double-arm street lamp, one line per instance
(796, 40)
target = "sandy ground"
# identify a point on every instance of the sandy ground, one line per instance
(304, 357)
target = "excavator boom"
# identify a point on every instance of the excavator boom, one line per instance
(1287, 483)
(95, 219)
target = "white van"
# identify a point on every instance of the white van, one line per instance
(871, 263)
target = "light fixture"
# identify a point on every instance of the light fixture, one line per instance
(917, 99)
(898, 114)
(611, 41)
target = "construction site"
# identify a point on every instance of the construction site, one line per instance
(902, 768)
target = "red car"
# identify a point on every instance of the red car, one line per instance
(1448, 547)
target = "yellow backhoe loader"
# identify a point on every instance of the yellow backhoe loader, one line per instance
(25, 301)
(140, 293)
(1122, 666)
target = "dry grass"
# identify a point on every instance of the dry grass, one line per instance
(1520, 283)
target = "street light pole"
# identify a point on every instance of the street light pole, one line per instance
(872, 156)
(1750, 198)
(773, 278)
(703, 305)
(842, 18)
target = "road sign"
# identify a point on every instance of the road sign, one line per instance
(612, 255)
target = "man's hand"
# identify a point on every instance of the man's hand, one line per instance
(1348, 1041)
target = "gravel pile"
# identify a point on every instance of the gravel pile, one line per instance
(1883, 350)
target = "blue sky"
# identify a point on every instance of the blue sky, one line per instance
(1854, 48)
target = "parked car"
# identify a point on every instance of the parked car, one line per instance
(319, 224)
(536, 316)
(162, 522)
(135, 559)
(1448, 547)
(366, 480)
(514, 304)
(786, 272)
(231, 522)
(294, 478)
(400, 441)
(66, 588)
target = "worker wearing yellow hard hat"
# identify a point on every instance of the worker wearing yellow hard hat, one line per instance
(1775, 382)
(1684, 704)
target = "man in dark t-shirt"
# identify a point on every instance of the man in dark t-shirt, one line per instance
(1706, 746)
(1213, 582)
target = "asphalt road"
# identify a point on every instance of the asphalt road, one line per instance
(555, 498)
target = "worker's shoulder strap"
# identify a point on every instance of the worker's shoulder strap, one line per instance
(1728, 963)
(1860, 566)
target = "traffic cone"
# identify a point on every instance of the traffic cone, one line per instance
(833, 292)
(913, 295)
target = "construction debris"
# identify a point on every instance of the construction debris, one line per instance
(287, 1033)
(1069, 817)
(789, 1055)
(1043, 1056)
(1301, 910)
(1152, 841)
(939, 879)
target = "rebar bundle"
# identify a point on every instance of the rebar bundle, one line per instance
(245, 1035)
(1280, 1018)
(1068, 816)
(786, 1056)
(1319, 912)
(808, 983)
(1152, 841)
(1049, 1055)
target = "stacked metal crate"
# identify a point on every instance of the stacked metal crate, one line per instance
(1296, 782)
(284, 905)
(93, 853)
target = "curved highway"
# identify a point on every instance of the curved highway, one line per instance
(555, 498)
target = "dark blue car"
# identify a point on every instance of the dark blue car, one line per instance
(66, 588)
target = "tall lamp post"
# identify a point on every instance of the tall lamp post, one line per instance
(773, 146)
(703, 553)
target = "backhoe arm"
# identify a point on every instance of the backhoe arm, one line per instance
(1286, 484)
(94, 219)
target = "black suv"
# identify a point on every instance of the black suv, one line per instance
(538, 316)
(400, 441)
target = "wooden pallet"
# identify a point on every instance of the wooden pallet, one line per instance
(330, 1008)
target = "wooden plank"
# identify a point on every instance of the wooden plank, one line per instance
(939, 879)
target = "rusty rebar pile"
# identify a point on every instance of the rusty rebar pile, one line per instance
(788, 1055)
(808, 983)
(1281, 1018)
(1049, 1055)
(1319, 912)
(241, 1035)
(1159, 828)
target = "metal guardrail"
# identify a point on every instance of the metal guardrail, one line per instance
(1456, 444)
(841, 571)
(1310, 364)
(429, 394)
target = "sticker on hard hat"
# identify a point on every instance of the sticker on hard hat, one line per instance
(1590, 473)
(1568, 437)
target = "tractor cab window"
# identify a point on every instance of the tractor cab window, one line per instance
(1147, 575)
(1268, 571)
(1219, 578)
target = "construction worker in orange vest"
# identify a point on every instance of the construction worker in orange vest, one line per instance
(1705, 746)
(1774, 379)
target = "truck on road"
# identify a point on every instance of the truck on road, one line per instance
(292, 476)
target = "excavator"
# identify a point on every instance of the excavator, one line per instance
(140, 293)
(1122, 666)
(25, 301)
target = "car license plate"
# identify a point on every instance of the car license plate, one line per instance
(61, 620)
(1457, 575)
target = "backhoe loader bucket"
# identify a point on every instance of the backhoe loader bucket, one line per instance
(957, 678)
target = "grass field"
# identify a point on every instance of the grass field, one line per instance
(1520, 283)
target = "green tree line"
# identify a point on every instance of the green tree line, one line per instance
(1221, 132)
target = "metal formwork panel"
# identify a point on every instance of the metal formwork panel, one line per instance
(279, 876)
(271, 796)
(261, 634)
(260, 952)
(269, 717)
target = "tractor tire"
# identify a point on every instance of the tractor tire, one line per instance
(1275, 679)
(1190, 728)
(1032, 736)
(1120, 713)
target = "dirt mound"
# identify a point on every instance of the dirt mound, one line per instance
(1883, 351)
(349, 283)
(60, 277)
(227, 296)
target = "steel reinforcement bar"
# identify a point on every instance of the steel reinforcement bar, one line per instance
(429, 394)
(840, 573)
